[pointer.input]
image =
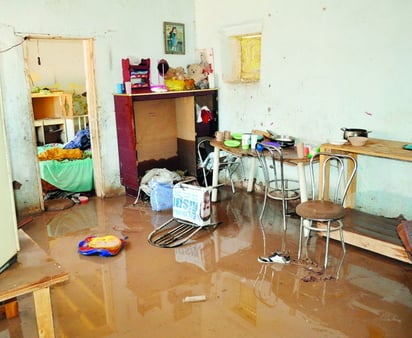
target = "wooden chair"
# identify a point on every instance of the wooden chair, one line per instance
(336, 173)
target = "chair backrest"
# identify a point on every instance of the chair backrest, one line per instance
(204, 148)
(336, 174)
(276, 154)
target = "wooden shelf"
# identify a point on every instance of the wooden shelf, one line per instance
(370, 232)
(373, 233)
(376, 148)
(53, 105)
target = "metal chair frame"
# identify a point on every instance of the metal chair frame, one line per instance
(335, 193)
(228, 162)
(276, 188)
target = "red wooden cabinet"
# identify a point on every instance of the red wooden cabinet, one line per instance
(161, 130)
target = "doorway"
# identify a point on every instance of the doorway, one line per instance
(60, 73)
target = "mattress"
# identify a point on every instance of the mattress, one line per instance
(72, 175)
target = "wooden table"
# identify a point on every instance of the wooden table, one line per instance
(34, 272)
(387, 244)
(290, 156)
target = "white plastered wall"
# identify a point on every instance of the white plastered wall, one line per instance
(120, 29)
(325, 65)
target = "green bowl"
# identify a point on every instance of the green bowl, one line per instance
(232, 143)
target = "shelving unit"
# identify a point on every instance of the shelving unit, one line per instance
(50, 114)
(159, 130)
(50, 131)
(138, 75)
(54, 118)
(53, 105)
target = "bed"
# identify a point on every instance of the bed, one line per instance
(69, 170)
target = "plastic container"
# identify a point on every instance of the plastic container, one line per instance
(83, 199)
(175, 85)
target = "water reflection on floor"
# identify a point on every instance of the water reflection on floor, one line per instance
(140, 292)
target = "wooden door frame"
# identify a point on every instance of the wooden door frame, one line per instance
(88, 57)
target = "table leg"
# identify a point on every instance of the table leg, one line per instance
(350, 201)
(44, 315)
(251, 178)
(323, 180)
(302, 183)
(303, 193)
(215, 174)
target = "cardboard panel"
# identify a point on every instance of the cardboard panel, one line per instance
(185, 118)
(187, 156)
(156, 123)
(157, 150)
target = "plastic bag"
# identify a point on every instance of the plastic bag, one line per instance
(160, 175)
(161, 196)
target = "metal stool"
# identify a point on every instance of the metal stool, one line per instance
(276, 187)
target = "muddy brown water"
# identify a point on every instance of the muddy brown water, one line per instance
(141, 292)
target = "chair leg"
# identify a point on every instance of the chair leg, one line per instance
(339, 266)
(232, 185)
(327, 244)
(308, 234)
(342, 239)
(204, 177)
(230, 173)
(243, 168)
(300, 237)
(284, 210)
(137, 197)
(264, 203)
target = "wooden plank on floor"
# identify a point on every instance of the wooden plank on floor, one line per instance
(44, 315)
(378, 227)
(375, 245)
(373, 233)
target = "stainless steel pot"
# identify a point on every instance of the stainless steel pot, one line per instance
(284, 140)
(348, 132)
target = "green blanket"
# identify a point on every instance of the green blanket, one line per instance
(68, 175)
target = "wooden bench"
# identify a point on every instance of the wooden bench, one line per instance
(34, 272)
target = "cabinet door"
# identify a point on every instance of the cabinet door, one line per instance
(126, 141)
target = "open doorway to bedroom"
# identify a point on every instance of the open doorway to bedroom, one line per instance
(60, 74)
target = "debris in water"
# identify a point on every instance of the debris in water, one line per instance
(192, 299)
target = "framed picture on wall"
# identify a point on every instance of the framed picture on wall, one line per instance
(174, 37)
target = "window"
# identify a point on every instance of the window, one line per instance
(250, 46)
(241, 52)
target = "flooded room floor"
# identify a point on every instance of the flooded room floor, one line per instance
(141, 291)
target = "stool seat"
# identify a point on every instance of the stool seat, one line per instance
(320, 210)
